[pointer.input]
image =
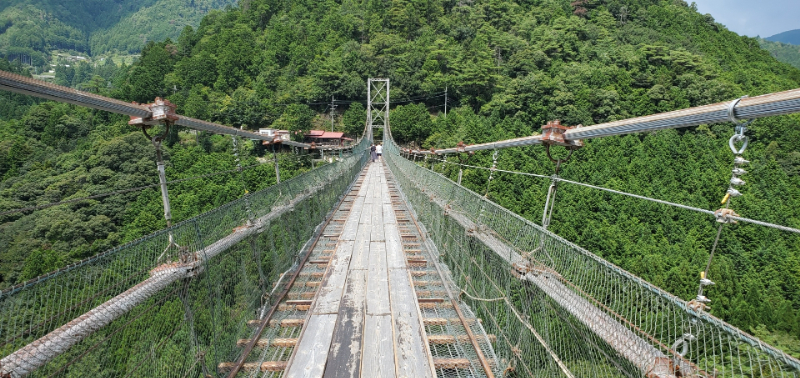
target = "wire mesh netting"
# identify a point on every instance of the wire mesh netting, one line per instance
(173, 303)
(559, 310)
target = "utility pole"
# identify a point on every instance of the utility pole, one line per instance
(333, 106)
(445, 102)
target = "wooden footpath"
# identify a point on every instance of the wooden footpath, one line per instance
(365, 321)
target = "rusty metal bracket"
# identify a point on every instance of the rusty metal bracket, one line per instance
(553, 135)
(161, 111)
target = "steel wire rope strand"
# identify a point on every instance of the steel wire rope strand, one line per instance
(772, 104)
(731, 330)
(656, 200)
(122, 191)
(505, 299)
(20, 361)
(310, 244)
(31, 87)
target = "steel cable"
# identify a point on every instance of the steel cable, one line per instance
(685, 207)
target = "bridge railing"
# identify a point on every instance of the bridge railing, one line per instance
(559, 309)
(173, 303)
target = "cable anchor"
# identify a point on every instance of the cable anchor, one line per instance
(553, 133)
(161, 112)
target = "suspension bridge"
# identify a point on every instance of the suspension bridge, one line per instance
(375, 269)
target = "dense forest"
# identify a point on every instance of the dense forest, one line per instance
(31, 29)
(508, 67)
(783, 52)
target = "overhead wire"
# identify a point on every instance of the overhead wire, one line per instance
(663, 202)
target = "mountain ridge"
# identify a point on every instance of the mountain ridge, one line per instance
(33, 28)
(791, 37)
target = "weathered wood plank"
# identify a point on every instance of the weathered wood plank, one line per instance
(344, 357)
(360, 258)
(312, 350)
(395, 258)
(366, 213)
(377, 280)
(332, 288)
(388, 214)
(350, 228)
(377, 232)
(409, 340)
(378, 358)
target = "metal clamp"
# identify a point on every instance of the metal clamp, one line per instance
(732, 107)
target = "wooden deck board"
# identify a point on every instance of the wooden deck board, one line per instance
(360, 258)
(311, 353)
(377, 280)
(410, 348)
(365, 322)
(332, 287)
(344, 357)
(378, 357)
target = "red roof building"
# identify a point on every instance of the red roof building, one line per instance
(326, 138)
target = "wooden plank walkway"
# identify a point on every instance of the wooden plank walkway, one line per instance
(365, 321)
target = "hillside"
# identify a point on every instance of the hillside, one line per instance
(509, 67)
(791, 37)
(30, 29)
(783, 52)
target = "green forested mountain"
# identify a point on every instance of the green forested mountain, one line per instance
(509, 67)
(30, 29)
(783, 52)
(790, 37)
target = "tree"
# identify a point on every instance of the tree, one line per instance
(411, 123)
(297, 119)
(354, 118)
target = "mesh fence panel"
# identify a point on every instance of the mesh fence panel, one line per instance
(559, 310)
(152, 308)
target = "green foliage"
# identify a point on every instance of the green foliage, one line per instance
(161, 20)
(30, 29)
(410, 123)
(783, 52)
(297, 118)
(58, 152)
(38, 263)
(354, 119)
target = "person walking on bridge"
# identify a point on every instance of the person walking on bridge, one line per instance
(379, 150)
(373, 152)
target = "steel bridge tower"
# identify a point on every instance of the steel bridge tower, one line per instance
(377, 104)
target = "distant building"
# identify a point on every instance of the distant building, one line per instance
(326, 138)
(278, 136)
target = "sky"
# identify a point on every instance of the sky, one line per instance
(752, 18)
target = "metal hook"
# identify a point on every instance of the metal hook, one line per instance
(735, 138)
